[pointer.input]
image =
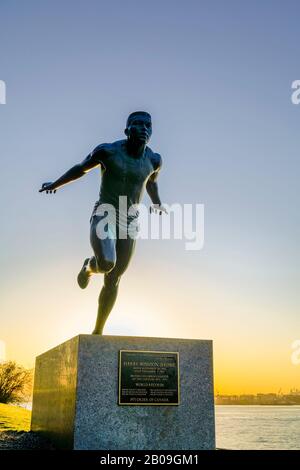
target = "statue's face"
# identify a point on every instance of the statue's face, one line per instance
(140, 129)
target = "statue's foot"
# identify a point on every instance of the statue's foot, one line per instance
(84, 275)
(96, 332)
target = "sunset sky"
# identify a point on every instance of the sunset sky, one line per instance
(216, 77)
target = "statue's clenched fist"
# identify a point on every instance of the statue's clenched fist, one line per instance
(48, 187)
(158, 208)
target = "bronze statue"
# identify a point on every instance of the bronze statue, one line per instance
(127, 167)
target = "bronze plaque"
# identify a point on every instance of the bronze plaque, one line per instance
(148, 378)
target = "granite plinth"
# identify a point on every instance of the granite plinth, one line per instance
(75, 401)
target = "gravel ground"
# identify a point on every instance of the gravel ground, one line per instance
(14, 440)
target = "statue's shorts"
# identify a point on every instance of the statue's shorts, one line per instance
(113, 242)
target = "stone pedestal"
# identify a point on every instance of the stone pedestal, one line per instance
(75, 401)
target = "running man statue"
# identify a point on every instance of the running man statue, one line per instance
(127, 167)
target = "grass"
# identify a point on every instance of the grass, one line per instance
(14, 418)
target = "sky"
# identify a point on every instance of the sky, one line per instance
(216, 77)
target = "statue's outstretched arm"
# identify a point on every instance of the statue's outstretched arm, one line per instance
(91, 161)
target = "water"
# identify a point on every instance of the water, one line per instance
(258, 427)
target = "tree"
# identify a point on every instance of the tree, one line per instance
(15, 382)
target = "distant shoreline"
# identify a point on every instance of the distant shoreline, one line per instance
(262, 399)
(257, 404)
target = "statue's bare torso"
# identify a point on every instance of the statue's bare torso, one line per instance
(123, 174)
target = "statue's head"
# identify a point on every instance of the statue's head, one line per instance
(139, 127)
